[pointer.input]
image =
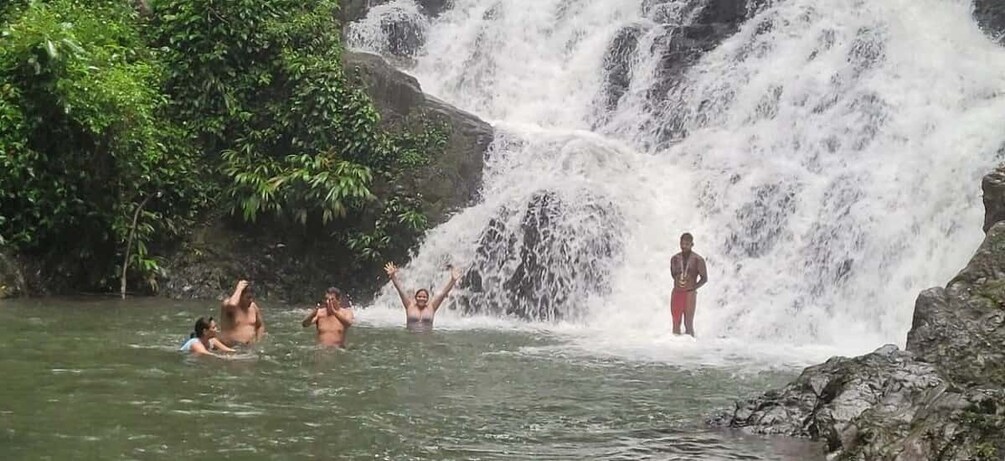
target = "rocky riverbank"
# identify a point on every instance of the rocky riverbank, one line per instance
(943, 398)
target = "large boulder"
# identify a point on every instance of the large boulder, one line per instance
(545, 261)
(990, 15)
(942, 398)
(451, 181)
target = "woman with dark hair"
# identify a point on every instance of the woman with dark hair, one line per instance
(203, 339)
(419, 312)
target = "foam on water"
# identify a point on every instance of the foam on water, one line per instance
(827, 157)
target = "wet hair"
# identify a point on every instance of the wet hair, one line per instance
(201, 324)
(248, 290)
(421, 290)
(687, 236)
(334, 291)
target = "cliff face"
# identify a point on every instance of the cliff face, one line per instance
(942, 398)
(990, 15)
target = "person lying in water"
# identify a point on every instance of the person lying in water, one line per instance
(332, 319)
(419, 311)
(203, 339)
(242, 319)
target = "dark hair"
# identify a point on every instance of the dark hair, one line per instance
(687, 236)
(334, 291)
(420, 290)
(200, 325)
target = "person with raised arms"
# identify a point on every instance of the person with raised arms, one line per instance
(419, 310)
(203, 339)
(333, 319)
(242, 319)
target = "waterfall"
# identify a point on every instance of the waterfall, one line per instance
(827, 157)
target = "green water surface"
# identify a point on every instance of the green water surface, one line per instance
(102, 379)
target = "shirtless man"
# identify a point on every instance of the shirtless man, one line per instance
(689, 274)
(332, 320)
(240, 317)
(419, 311)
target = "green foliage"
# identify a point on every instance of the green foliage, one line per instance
(262, 83)
(239, 105)
(296, 187)
(81, 140)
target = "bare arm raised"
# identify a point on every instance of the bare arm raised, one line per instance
(312, 317)
(230, 303)
(438, 299)
(392, 273)
(235, 299)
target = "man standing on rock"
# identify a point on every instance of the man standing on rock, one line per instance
(332, 318)
(686, 267)
(240, 317)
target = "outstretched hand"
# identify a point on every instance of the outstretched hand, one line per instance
(455, 273)
(390, 269)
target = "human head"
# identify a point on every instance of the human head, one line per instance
(421, 297)
(334, 294)
(204, 328)
(247, 296)
(686, 242)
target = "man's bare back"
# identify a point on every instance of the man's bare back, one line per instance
(241, 318)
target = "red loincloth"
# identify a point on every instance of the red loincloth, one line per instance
(678, 303)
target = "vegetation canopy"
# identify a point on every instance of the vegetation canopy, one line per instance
(107, 114)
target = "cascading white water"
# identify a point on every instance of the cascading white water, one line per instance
(827, 157)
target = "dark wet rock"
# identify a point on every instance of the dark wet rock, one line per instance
(759, 222)
(405, 36)
(994, 197)
(942, 398)
(617, 64)
(451, 181)
(12, 279)
(680, 43)
(401, 32)
(990, 15)
(354, 10)
(548, 266)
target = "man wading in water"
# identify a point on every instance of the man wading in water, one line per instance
(686, 267)
(419, 312)
(332, 319)
(241, 318)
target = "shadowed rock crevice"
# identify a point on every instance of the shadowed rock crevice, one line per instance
(544, 262)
